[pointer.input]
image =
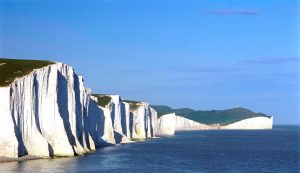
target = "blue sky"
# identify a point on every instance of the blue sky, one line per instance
(182, 53)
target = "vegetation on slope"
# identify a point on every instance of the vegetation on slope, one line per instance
(134, 105)
(10, 69)
(221, 117)
(162, 110)
(103, 100)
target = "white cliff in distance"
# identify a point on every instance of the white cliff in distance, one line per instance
(170, 123)
(142, 120)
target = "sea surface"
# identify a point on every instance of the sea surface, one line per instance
(230, 151)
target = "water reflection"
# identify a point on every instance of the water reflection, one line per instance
(107, 158)
(41, 165)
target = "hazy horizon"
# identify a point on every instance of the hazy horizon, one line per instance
(183, 54)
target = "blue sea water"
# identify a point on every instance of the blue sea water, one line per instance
(252, 151)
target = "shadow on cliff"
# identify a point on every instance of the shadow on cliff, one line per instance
(80, 116)
(82, 119)
(123, 118)
(118, 137)
(22, 151)
(131, 124)
(36, 111)
(113, 115)
(62, 101)
(96, 123)
(146, 119)
(151, 123)
(36, 104)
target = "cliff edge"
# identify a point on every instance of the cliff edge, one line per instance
(46, 111)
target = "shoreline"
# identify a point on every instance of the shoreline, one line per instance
(19, 159)
(31, 157)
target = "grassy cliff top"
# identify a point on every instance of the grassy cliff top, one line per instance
(10, 69)
(103, 100)
(134, 105)
(222, 117)
(162, 110)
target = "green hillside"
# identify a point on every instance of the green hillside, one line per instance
(10, 69)
(162, 110)
(103, 100)
(223, 117)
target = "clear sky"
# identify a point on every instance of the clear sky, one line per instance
(182, 53)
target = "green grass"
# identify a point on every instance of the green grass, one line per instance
(222, 117)
(10, 69)
(162, 110)
(103, 100)
(134, 105)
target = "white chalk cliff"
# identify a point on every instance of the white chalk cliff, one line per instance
(170, 123)
(251, 123)
(43, 114)
(100, 124)
(120, 118)
(142, 121)
(49, 112)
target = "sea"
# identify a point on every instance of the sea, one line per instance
(228, 151)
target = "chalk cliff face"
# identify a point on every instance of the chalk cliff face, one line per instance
(166, 124)
(142, 121)
(186, 124)
(49, 113)
(100, 124)
(111, 121)
(120, 118)
(251, 123)
(121, 122)
(44, 114)
(170, 123)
